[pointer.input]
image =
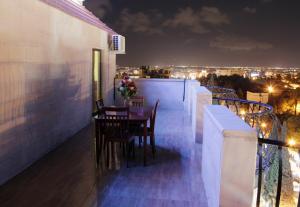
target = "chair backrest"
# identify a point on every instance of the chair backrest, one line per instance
(137, 101)
(153, 116)
(115, 121)
(99, 105)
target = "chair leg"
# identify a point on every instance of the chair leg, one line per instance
(101, 144)
(113, 150)
(152, 140)
(133, 149)
(124, 149)
(107, 158)
(140, 141)
(127, 154)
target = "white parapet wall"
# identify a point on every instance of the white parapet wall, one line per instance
(189, 95)
(201, 97)
(228, 158)
(170, 92)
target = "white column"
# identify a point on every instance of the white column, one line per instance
(228, 158)
(188, 102)
(201, 98)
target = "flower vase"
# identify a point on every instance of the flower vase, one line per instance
(127, 102)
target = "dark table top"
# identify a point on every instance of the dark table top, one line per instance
(135, 114)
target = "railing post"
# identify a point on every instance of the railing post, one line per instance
(228, 158)
(259, 175)
(278, 194)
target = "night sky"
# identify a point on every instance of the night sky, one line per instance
(205, 32)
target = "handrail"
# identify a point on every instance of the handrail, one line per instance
(271, 140)
(268, 108)
(280, 146)
(214, 89)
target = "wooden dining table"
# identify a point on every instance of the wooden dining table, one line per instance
(137, 115)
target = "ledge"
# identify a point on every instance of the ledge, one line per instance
(228, 123)
(78, 11)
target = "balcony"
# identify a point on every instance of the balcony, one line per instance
(191, 137)
(68, 176)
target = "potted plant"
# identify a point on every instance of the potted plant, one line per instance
(127, 89)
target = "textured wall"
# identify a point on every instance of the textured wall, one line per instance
(45, 80)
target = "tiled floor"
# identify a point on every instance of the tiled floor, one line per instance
(68, 177)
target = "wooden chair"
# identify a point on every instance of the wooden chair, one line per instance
(99, 105)
(151, 129)
(116, 130)
(137, 101)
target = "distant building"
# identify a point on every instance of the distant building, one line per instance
(230, 72)
(259, 97)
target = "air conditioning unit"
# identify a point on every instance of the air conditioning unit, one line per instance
(118, 44)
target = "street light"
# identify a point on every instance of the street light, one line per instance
(270, 89)
(291, 142)
(243, 112)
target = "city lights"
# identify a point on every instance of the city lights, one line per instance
(243, 112)
(270, 89)
(291, 142)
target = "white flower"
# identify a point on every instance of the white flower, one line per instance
(121, 88)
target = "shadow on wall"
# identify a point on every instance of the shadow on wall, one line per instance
(40, 107)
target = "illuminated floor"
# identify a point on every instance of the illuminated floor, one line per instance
(68, 177)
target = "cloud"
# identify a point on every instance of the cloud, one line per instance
(139, 22)
(102, 7)
(197, 21)
(249, 10)
(238, 43)
(187, 18)
(213, 16)
(154, 22)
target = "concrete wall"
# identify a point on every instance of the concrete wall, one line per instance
(190, 96)
(228, 158)
(168, 91)
(45, 80)
(201, 98)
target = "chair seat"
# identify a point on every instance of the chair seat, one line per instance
(128, 138)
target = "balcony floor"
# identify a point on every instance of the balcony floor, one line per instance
(68, 177)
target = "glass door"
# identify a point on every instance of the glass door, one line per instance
(97, 89)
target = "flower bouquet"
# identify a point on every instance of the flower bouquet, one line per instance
(127, 88)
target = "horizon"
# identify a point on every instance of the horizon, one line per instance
(214, 66)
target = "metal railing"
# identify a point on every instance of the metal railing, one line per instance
(265, 146)
(271, 144)
(220, 92)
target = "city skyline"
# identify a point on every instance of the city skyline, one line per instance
(256, 33)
